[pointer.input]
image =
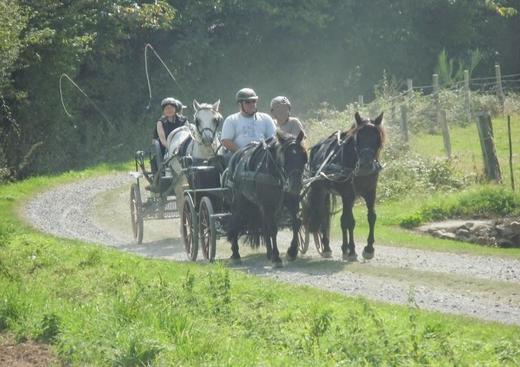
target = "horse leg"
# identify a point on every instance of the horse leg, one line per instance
(268, 247)
(368, 251)
(237, 222)
(325, 228)
(348, 223)
(277, 261)
(292, 251)
(179, 196)
(235, 256)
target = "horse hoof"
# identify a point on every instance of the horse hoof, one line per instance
(350, 257)
(277, 264)
(290, 257)
(326, 254)
(368, 255)
(235, 259)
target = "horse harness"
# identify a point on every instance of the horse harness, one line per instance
(247, 175)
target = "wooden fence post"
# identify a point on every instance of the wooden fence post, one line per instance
(485, 133)
(510, 152)
(436, 101)
(445, 133)
(467, 95)
(409, 87)
(404, 122)
(409, 96)
(500, 91)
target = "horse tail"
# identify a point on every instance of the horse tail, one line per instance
(254, 239)
(317, 208)
(250, 226)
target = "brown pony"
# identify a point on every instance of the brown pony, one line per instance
(347, 164)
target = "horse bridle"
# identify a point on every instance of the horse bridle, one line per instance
(213, 132)
(284, 178)
(359, 153)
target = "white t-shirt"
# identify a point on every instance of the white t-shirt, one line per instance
(243, 130)
(292, 126)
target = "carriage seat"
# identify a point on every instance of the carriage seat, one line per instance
(203, 177)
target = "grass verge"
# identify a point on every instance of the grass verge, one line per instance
(99, 307)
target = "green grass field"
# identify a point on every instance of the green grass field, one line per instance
(466, 151)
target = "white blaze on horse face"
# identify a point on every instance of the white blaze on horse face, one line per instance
(206, 124)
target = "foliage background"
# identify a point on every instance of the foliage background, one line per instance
(312, 51)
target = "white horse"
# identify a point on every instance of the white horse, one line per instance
(199, 140)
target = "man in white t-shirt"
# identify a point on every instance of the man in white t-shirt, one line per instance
(247, 125)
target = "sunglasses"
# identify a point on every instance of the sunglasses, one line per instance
(250, 102)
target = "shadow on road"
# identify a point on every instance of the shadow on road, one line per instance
(168, 247)
(258, 264)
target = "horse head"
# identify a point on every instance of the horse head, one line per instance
(368, 138)
(207, 120)
(292, 157)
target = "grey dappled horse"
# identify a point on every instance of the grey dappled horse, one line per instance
(199, 141)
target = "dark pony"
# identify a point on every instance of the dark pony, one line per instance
(264, 178)
(345, 164)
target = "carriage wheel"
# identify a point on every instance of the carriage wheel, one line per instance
(189, 228)
(207, 231)
(303, 239)
(136, 213)
(319, 243)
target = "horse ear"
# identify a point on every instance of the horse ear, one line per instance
(379, 119)
(359, 120)
(300, 137)
(196, 105)
(215, 106)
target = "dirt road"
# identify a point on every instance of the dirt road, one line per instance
(97, 210)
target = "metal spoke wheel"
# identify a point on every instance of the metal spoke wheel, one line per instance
(190, 228)
(207, 230)
(136, 213)
(319, 243)
(303, 239)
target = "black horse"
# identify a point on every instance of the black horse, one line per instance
(264, 178)
(345, 164)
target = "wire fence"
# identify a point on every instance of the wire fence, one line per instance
(433, 108)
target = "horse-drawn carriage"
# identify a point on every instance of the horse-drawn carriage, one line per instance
(160, 200)
(259, 192)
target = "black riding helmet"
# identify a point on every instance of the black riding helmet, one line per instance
(173, 102)
(246, 94)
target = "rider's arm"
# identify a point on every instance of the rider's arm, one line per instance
(228, 135)
(270, 127)
(160, 132)
(229, 145)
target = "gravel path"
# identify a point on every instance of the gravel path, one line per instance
(96, 210)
